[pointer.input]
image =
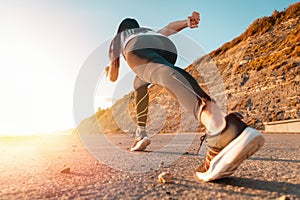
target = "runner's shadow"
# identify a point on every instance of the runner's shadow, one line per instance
(175, 153)
(165, 152)
(144, 151)
(275, 159)
(271, 186)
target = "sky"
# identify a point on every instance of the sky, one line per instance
(45, 43)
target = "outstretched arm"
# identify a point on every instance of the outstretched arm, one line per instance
(174, 27)
(112, 71)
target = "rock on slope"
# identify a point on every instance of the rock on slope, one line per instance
(256, 74)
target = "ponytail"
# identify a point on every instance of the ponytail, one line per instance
(115, 45)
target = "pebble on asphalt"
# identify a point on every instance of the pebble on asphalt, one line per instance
(165, 177)
(283, 197)
(66, 170)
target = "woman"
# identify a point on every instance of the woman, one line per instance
(152, 55)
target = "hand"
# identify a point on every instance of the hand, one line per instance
(106, 70)
(194, 20)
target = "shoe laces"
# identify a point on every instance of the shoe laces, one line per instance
(210, 154)
(135, 142)
(202, 138)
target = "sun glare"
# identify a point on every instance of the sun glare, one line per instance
(34, 78)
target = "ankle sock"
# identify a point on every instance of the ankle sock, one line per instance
(140, 132)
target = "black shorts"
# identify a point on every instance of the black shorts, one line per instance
(148, 46)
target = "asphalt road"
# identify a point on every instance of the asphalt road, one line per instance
(103, 168)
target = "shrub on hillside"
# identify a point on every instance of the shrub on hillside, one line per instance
(262, 25)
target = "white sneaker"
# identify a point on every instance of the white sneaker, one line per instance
(222, 161)
(140, 145)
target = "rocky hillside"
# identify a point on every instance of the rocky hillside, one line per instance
(256, 74)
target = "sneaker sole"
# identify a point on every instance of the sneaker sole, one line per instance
(228, 160)
(141, 145)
